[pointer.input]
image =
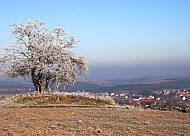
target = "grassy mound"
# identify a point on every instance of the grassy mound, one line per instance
(62, 98)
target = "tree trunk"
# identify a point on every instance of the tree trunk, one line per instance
(57, 85)
(40, 86)
(34, 83)
(46, 85)
(34, 80)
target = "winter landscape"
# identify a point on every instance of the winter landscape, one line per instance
(95, 68)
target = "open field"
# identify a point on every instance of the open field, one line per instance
(80, 121)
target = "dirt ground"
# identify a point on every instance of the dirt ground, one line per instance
(77, 121)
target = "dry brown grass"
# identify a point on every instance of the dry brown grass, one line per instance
(51, 98)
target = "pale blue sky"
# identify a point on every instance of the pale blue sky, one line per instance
(126, 33)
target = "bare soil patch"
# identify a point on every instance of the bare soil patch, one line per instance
(75, 121)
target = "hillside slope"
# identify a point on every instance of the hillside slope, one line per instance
(92, 121)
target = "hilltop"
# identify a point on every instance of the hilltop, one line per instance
(81, 114)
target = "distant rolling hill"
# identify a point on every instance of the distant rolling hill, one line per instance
(146, 88)
(14, 86)
(138, 84)
(141, 84)
(10, 84)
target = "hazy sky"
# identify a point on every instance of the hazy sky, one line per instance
(137, 37)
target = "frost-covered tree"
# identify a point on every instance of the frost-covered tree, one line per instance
(42, 55)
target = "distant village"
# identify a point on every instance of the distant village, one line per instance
(166, 98)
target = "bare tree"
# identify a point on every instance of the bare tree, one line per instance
(42, 55)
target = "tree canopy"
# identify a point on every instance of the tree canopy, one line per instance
(43, 55)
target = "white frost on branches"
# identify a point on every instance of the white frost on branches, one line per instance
(43, 55)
